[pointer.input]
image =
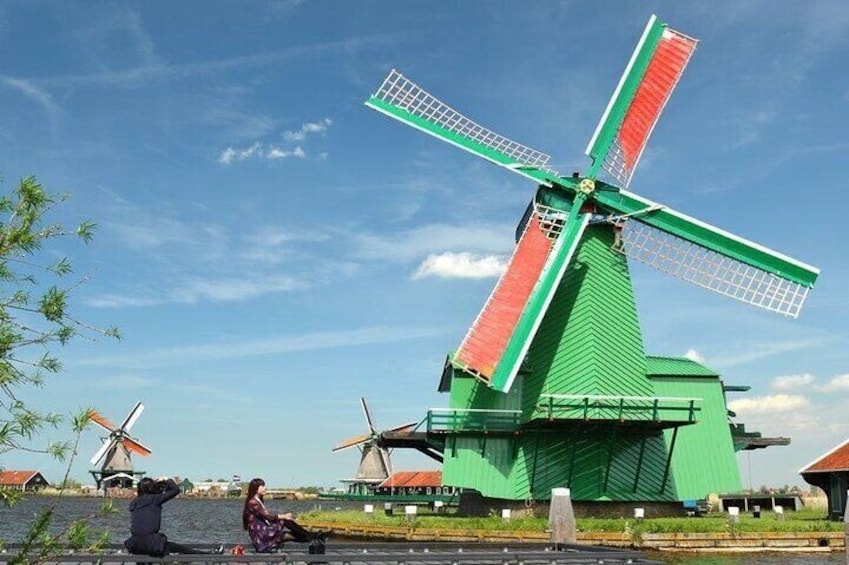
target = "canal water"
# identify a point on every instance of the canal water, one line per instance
(188, 520)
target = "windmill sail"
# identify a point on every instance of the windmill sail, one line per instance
(649, 79)
(709, 257)
(497, 342)
(400, 98)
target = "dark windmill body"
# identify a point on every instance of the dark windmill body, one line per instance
(116, 469)
(375, 462)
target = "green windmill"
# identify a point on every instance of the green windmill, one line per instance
(551, 386)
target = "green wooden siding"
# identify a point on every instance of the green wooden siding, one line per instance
(468, 392)
(489, 465)
(703, 461)
(590, 340)
(597, 462)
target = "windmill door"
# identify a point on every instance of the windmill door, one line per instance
(837, 495)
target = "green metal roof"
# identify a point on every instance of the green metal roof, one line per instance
(677, 367)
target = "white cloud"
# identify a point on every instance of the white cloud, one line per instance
(460, 265)
(694, 355)
(789, 382)
(231, 154)
(278, 153)
(768, 404)
(256, 151)
(839, 382)
(308, 128)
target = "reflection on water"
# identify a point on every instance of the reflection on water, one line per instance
(187, 520)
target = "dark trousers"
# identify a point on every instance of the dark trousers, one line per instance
(171, 547)
(300, 534)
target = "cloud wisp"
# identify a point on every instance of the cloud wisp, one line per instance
(433, 239)
(33, 92)
(144, 75)
(791, 382)
(196, 290)
(758, 351)
(280, 345)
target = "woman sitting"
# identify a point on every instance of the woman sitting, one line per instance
(267, 530)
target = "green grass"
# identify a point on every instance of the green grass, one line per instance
(802, 521)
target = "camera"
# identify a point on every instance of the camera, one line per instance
(159, 487)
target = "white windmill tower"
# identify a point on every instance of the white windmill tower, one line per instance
(117, 467)
(375, 463)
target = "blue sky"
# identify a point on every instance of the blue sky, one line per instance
(267, 244)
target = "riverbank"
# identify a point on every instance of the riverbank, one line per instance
(703, 542)
(806, 530)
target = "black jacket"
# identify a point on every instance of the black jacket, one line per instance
(145, 520)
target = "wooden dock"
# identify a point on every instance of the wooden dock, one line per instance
(389, 553)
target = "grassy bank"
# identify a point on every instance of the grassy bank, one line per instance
(802, 521)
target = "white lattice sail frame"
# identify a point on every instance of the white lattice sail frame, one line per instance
(403, 93)
(704, 267)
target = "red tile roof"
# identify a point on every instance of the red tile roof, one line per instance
(16, 478)
(835, 460)
(414, 479)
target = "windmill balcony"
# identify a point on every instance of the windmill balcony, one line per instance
(659, 410)
(471, 420)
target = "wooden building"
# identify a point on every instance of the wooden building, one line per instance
(26, 481)
(830, 472)
(415, 483)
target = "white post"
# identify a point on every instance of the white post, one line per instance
(410, 512)
(438, 506)
(561, 518)
(734, 514)
(368, 509)
(505, 514)
(639, 513)
(779, 512)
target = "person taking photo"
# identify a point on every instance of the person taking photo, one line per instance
(146, 519)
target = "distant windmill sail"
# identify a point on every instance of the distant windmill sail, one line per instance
(118, 445)
(375, 463)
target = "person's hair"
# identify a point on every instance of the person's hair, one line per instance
(253, 487)
(146, 486)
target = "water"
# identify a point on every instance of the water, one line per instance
(197, 521)
(184, 520)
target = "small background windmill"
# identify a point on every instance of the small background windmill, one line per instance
(116, 469)
(375, 463)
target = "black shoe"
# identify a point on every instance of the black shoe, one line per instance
(220, 549)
